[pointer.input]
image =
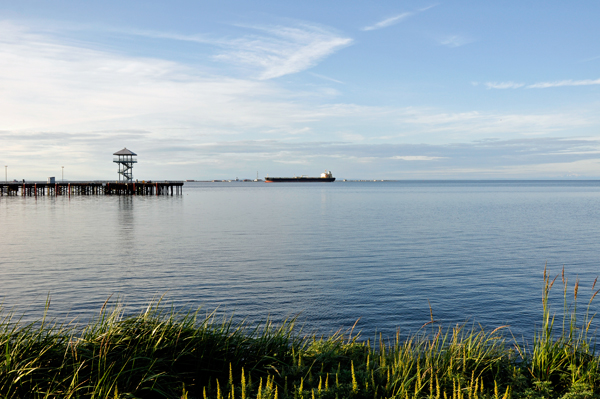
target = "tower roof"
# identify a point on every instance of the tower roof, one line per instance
(125, 151)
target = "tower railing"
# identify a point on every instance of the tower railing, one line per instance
(118, 160)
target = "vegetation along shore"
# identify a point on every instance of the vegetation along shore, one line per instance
(164, 354)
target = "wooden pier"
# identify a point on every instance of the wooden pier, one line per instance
(33, 189)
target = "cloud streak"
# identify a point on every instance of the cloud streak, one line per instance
(503, 85)
(562, 83)
(416, 158)
(395, 19)
(543, 85)
(327, 78)
(274, 50)
(455, 41)
(48, 84)
(388, 21)
(282, 50)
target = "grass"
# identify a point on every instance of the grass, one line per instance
(160, 353)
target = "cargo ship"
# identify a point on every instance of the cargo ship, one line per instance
(326, 177)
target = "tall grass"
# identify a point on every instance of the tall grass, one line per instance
(160, 353)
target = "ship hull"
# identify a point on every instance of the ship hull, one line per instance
(299, 179)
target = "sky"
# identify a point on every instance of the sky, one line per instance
(413, 89)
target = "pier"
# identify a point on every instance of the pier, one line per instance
(124, 186)
(33, 189)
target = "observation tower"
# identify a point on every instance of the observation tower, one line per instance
(125, 160)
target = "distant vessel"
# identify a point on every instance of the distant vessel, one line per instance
(326, 177)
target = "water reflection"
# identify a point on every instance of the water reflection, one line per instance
(126, 223)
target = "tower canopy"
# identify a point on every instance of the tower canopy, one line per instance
(125, 151)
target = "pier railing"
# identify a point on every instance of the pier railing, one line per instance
(94, 187)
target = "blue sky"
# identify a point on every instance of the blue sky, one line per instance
(386, 89)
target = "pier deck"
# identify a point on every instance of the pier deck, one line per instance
(33, 188)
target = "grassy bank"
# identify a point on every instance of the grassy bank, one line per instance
(160, 353)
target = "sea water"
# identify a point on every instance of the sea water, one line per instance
(390, 255)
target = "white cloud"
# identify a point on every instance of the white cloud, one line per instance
(395, 19)
(351, 137)
(388, 21)
(327, 78)
(196, 38)
(455, 41)
(282, 50)
(465, 125)
(275, 50)
(545, 85)
(416, 158)
(503, 85)
(47, 84)
(542, 85)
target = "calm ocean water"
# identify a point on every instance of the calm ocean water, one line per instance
(332, 253)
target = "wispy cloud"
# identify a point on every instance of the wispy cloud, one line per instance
(416, 158)
(388, 21)
(464, 125)
(455, 40)
(503, 85)
(48, 84)
(327, 78)
(283, 50)
(542, 85)
(195, 38)
(561, 83)
(395, 19)
(275, 50)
